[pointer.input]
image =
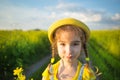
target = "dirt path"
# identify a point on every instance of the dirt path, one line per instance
(33, 68)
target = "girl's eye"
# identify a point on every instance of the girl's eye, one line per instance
(62, 44)
(76, 44)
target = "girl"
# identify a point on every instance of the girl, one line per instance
(68, 38)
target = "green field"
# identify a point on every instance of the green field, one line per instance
(23, 48)
(105, 53)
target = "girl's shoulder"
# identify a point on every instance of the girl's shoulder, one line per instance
(56, 64)
(50, 69)
(88, 73)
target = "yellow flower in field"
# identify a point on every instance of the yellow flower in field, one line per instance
(22, 77)
(17, 71)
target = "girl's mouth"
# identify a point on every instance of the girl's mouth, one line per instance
(69, 56)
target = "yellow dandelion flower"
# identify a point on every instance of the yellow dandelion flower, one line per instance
(22, 77)
(17, 71)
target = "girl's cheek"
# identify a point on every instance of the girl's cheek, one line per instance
(60, 50)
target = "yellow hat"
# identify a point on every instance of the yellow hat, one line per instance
(67, 21)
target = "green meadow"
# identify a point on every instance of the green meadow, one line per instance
(105, 53)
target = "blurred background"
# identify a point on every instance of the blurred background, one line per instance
(23, 34)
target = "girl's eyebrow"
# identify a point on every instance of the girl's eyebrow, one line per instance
(72, 41)
(77, 41)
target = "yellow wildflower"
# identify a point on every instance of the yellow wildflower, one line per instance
(19, 75)
(17, 71)
(22, 77)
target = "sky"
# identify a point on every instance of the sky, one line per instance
(40, 14)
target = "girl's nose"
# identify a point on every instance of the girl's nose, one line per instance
(69, 50)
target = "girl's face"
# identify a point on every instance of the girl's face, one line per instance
(68, 46)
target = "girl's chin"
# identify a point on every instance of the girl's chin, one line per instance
(69, 60)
